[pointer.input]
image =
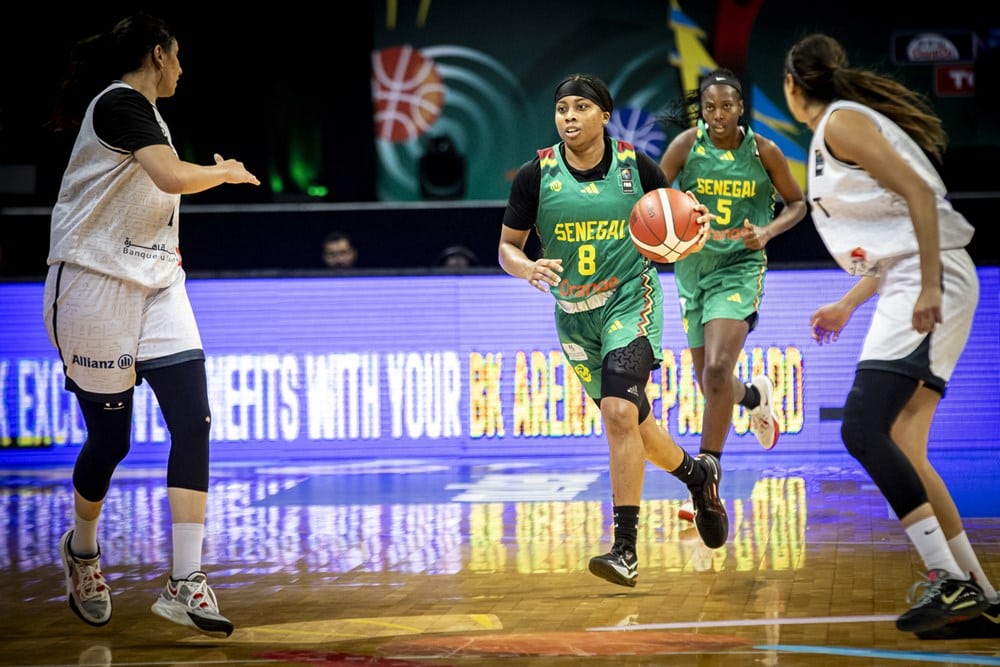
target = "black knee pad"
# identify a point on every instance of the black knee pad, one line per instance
(625, 372)
(109, 436)
(852, 427)
(875, 400)
(182, 392)
(872, 405)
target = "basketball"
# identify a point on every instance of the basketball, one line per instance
(664, 226)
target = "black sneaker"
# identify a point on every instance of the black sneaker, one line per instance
(984, 626)
(944, 600)
(619, 566)
(709, 513)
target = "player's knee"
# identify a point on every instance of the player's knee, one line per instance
(716, 377)
(853, 427)
(192, 428)
(109, 433)
(188, 464)
(618, 413)
(624, 375)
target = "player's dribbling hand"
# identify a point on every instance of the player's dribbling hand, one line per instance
(704, 218)
(545, 273)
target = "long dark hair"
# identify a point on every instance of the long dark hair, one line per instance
(818, 65)
(99, 59)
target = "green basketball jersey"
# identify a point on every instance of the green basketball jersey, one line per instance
(733, 184)
(586, 224)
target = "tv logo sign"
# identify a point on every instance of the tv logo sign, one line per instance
(954, 80)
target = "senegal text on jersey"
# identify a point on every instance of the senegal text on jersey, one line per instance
(720, 187)
(591, 230)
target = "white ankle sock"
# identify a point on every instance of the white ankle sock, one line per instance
(968, 561)
(188, 539)
(928, 538)
(83, 544)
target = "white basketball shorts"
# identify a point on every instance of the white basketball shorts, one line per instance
(891, 336)
(103, 327)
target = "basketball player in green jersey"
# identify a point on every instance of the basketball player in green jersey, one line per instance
(577, 195)
(737, 175)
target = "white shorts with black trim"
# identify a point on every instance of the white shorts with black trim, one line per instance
(103, 326)
(891, 335)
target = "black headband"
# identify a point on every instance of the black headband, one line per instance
(583, 88)
(722, 80)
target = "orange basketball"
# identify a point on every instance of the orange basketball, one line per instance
(664, 226)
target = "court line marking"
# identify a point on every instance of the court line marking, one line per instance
(950, 658)
(745, 622)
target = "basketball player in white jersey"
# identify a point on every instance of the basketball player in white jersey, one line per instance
(879, 205)
(116, 307)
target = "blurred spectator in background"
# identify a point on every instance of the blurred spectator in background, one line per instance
(338, 251)
(457, 257)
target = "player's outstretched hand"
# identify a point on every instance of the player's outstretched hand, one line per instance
(235, 171)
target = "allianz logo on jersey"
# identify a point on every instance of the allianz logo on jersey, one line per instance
(124, 361)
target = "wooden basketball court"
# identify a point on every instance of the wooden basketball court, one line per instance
(431, 562)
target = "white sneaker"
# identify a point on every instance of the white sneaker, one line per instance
(763, 421)
(88, 593)
(686, 511)
(192, 602)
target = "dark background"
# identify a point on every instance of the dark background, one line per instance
(253, 80)
(249, 78)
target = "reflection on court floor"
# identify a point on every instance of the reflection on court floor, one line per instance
(446, 561)
(415, 516)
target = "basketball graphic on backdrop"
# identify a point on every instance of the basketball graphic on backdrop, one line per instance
(408, 93)
(640, 128)
(664, 226)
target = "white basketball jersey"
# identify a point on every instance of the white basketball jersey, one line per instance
(861, 222)
(110, 216)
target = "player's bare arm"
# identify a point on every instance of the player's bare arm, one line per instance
(675, 156)
(175, 176)
(853, 137)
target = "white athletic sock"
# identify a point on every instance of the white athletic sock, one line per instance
(928, 538)
(83, 544)
(968, 561)
(188, 539)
